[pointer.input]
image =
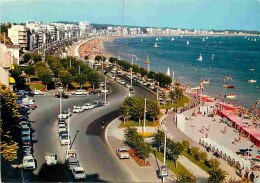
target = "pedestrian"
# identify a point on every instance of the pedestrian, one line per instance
(242, 172)
(225, 129)
(208, 128)
(252, 177)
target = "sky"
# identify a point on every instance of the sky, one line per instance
(188, 14)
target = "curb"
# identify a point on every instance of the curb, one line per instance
(106, 134)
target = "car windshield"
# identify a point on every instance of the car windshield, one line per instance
(74, 163)
(79, 172)
(30, 160)
(65, 112)
(64, 137)
(25, 135)
(123, 150)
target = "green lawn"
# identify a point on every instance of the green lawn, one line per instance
(35, 86)
(181, 103)
(134, 123)
(180, 170)
(195, 161)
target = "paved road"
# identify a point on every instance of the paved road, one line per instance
(99, 162)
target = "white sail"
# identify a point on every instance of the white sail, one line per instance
(141, 40)
(157, 39)
(172, 39)
(181, 36)
(168, 72)
(212, 57)
(255, 39)
(200, 58)
(187, 43)
(203, 39)
(155, 45)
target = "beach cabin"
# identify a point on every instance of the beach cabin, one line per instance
(207, 108)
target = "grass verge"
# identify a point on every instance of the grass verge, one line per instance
(180, 170)
(181, 103)
(33, 86)
(195, 161)
(136, 123)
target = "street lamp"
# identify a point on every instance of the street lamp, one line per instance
(164, 153)
(60, 90)
(144, 112)
(105, 90)
(68, 126)
(131, 69)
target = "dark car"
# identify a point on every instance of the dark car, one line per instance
(98, 104)
(23, 111)
(93, 92)
(63, 95)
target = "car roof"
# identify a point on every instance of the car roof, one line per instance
(123, 149)
(78, 169)
(28, 157)
(72, 159)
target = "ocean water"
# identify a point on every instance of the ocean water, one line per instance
(233, 56)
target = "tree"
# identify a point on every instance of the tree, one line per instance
(213, 163)
(186, 178)
(72, 71)
(86, 57)
(10, 124)
(151, 75)
(65, 78)
(216, 175)
(135, 68)
(93, 78)
(27, 57)
(45, 76)
(29, 70)
(36, 58)
(16, 71)
(163, 79)
(186, 144)
(203, 156)
(130, 135)
(194, 151)
(172, 95)
(81, 79)
(153, 110)
(99, 58)
(158, 138)
(144, 148)
(112, 59)
(174, 150)
(54, 63)
(143, 71)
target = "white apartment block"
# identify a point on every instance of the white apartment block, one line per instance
(18, 35)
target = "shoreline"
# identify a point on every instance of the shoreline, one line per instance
(103, 51)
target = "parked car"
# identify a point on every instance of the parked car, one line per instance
(87, 106)
(70, 153)
(72, 162)
(131, 90)
(37, 92)
(93, 92)
(122, 153)
(79, 92)
(26, 136)
(78, 173)
(63, 95)
(62, 127)
(64, 115)
(98, 104)
(51, 159)
(26, 143)
(77, 109)
(29, 163)
(64, 139)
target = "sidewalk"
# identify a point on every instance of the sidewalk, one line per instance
(179, 136)
(114, 136)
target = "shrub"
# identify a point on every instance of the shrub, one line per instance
(213, 163)
(194, 151)
(216, 175)
(186, 144)
(203, 156)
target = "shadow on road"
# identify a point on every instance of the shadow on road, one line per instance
(59, 173)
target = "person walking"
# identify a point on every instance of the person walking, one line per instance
(252, 177)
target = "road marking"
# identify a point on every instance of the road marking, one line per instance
(106, 133)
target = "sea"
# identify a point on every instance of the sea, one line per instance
(234, 56)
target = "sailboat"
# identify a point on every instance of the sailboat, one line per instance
(255, 39)
(200, 58)
(141, 40)
(168, 72)
(155, 45)
(172, 39)
(187, 42)
(181, 36)
(157, 39)
(203, 39)
(227, 86)
(212, 57)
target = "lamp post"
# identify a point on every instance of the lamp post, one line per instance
(60, 90)
(144, 112)
(79, 69)
(131, 69)
(105, 90)
(164, 151)
(68, 126)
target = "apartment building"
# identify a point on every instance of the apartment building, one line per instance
(18, 35)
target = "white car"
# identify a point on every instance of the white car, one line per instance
(79, 92)
(77, 109)
(70, 153)
(37, 92)
(64, 115)
(78, 173)
(28, 162)
(64, 139)
(87, 106)
(62, 128)
(122, 153)
(51, 159)
(122, 82)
